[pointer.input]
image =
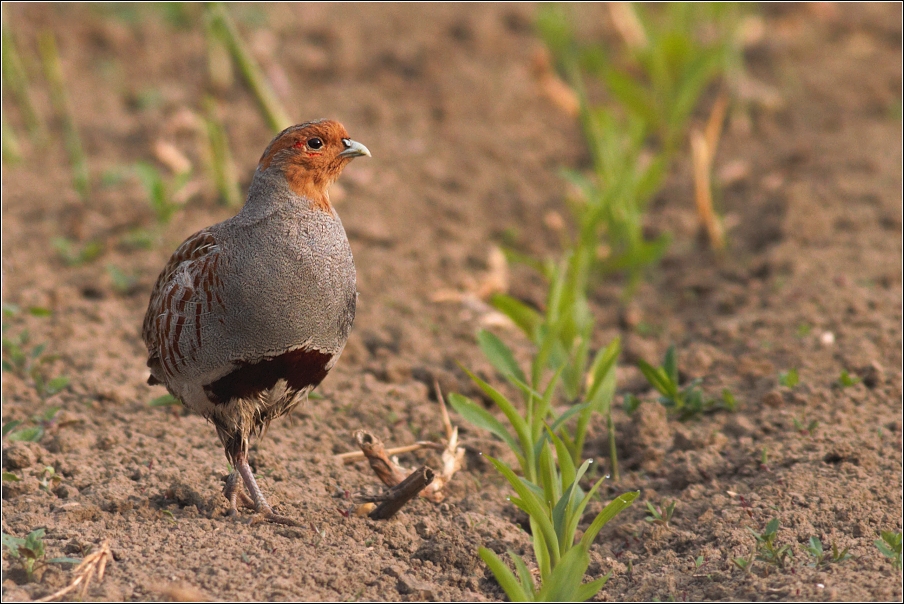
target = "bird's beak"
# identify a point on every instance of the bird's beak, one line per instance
(353, 149)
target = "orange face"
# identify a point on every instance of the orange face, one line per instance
(311, 157)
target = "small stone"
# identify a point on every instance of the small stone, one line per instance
(773, 399)
(425, 528)
(393, 571)
(420, 589)
(18, 456)
(873, 375)
(739, 425)
(66, 491)
(106, 442)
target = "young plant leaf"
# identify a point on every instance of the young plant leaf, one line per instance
(504, 576)
(475, 414)
(499, 355)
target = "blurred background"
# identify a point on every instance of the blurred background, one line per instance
(698, 206)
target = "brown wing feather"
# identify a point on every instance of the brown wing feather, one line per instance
(186, 287)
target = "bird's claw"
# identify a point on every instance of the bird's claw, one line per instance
(271, 516)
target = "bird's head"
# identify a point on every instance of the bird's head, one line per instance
(311, 156)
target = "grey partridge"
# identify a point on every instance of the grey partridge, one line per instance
(249, 315)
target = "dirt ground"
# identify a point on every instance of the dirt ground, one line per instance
(466, 150)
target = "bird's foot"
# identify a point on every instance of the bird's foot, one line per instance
(234, 494)
(268, 515)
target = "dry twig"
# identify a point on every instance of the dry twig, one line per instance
(394, 476)
(402, 493)
(92, 566)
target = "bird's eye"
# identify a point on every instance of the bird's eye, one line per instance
(315, 143)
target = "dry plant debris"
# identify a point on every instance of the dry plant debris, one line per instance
(405, 484)
(703, 150)
(93, 566)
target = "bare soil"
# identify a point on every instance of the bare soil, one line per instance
(466, 149)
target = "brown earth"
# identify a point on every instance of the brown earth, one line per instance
(466, 151)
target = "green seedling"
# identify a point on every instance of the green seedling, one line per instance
(554, 515)
(10, 477)
(764, 459)
(788, 379)
(661, 515)
(808, 429)
(123, 282)
(34, 433)
(845, 379)
(687, 402)
(549, 489)
(630, 403)
(12, 151)
(140, 239)
(59, 98)
(48, 387)
(113, 177)
(820, 556)
(31, 364)
(30, 552)
(160, 192)
(890, 546)
(48, 478)
(15, 357)
(74, 254)
(562, 337)
(220, 162)
(167, 400)
(15, 79)
(729, 402)
(745, 564)
(652, 88)
(221, 25)
(766, 549)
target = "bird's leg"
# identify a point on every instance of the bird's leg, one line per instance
(233, 492)
(260, 503)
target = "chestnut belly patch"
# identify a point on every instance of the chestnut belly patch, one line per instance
(302, 369)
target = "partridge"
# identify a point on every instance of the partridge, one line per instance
(249, 315)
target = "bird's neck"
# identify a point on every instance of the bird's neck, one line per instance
(271, 190)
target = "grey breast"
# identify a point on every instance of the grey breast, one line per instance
(291, 279)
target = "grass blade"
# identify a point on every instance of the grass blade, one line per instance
(53, 71)
(480, 417)
(608, 513)
(499, 355)
(533, 506)
(504, 576)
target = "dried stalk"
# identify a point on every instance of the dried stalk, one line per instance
(628, 25)
(353, 456)
(219, 61)
(222, 166)
(269, 103)
(92, 566)
(386, 470)
(16, 78)
(393, 475)
(703, 151)
(12, 153)
(402, 493)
